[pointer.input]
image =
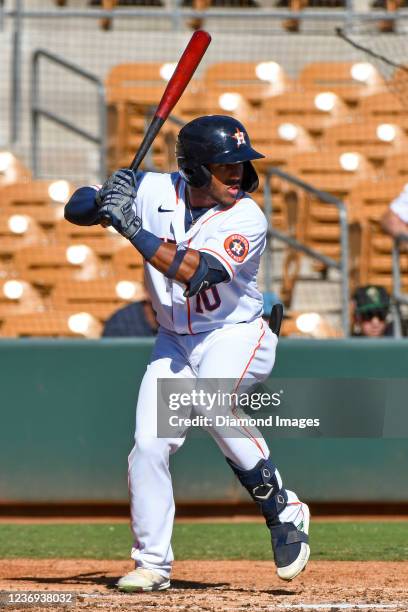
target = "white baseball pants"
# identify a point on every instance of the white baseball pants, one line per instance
(245, 350)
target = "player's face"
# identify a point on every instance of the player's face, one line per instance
(226, 182)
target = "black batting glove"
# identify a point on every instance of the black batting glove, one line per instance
(115, 202)
(120, 187)
(122, 216)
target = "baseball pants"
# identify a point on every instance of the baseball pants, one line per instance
(243, 352)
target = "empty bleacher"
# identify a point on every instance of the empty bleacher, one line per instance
(335, 127)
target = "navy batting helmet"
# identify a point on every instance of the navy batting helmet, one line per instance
(215, 139)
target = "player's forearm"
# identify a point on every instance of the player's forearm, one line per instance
(173, 263)
(194, 269)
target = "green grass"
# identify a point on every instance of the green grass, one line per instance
(346, 541)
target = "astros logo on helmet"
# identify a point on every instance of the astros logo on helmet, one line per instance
(240, 137)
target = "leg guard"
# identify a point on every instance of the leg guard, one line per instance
(289, 541)
(265, 487)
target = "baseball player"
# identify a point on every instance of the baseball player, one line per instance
(201, 236)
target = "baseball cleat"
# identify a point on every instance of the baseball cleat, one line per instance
(142, 579)
(290, 545)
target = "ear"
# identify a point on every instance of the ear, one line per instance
(250, 181)
(196, 176)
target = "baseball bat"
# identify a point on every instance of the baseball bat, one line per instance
(181, 77)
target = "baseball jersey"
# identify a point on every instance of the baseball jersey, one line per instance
(399, 206)
(235, 235)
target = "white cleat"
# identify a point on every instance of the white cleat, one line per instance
(142, 579)
(291, 543)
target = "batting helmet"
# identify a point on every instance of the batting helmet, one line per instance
(215, 139)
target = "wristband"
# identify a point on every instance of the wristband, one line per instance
(146, 243)
(176, 263)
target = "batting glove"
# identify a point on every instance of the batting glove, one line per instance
(121, 186)
(123, 217)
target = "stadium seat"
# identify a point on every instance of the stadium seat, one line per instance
(35, 193)
(384, 107)
(140, 83)
(17, 232)
(305, 108)
(277, 140)
(33, 200)
(279, 205)
(44, 266)
(334, 171)
(349, 80)
(369, 200)
(396, 166)
(45, 324)
(212, 100)
(21, 229)
(314, 222)
(255, 81)
(18, 297)
(123, 147)
(376, 141)
(376, 257)
(102, 241)
(46, 217)
(132, 89)
(128, 261)
(99, 298)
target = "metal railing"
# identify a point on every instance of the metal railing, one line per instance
(37, 111)
(177, 13)
(341, 265)
(398, 297)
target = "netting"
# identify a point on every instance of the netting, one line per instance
(389, 54)
(311, 102)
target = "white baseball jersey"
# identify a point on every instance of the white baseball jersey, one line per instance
(235, 235)
(399, 206)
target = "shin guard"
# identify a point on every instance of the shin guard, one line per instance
(265, 487)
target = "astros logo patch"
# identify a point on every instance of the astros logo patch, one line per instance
(237, 247)
(240, 137)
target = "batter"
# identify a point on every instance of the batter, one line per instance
(201, 236)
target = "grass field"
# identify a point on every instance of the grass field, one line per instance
(346, 541)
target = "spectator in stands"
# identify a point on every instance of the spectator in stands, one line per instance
(395, 221)
(135, 319)
(371, 307)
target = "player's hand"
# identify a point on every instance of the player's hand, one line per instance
(122, 216)
(120, 187)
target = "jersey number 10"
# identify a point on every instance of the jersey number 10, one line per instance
(209, 299)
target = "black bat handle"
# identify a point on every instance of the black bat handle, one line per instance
(147, 141)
